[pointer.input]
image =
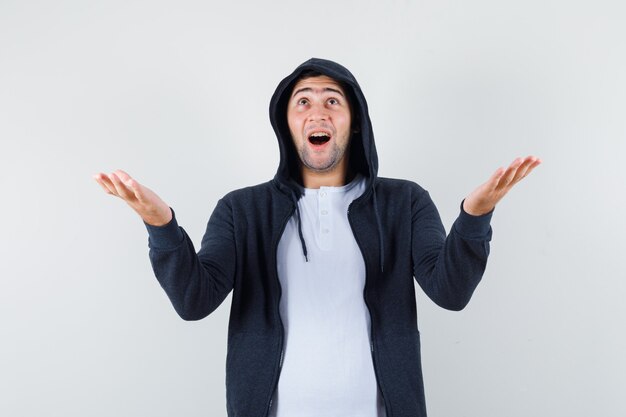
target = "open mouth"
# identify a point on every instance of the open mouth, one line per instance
(319, 138)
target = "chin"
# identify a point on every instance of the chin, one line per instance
(322, 167)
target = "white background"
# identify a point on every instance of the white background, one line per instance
(177, 94)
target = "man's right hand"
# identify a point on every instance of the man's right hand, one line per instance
(143, 200)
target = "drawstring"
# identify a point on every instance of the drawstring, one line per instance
(380, 232)
(378, 225)
(302, 242)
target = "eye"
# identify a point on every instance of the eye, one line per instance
(333, 101)
(303, 102)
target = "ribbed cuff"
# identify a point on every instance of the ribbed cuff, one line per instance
(167, 236)
(473, 227)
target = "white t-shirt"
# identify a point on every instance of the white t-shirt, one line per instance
(327, 366)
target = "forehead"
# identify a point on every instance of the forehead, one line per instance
(317, 84)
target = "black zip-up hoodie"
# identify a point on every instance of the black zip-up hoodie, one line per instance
(398, 231)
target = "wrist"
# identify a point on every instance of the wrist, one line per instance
(161, 218)
(476, 209)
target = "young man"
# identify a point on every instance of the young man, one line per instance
(321, 261)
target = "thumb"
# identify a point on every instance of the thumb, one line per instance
(131, 183)
(138, 189)
(495, 178)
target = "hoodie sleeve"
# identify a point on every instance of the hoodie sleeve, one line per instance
(448, 268)
(196, 284)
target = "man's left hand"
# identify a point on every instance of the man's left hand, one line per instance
(484, 198)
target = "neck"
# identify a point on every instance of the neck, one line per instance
(335, 178)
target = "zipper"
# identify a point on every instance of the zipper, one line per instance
(280, 320)
(372, 350)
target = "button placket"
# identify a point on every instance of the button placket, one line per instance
(325, 232)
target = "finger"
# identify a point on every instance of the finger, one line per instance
(522, 171)
(126, 179)
(121, 188)
(508, 176)
(494, 180)
(122, 175)
(106, 181)
(100, 181)
(138, 189)
(535, 164)
(532, 166)
(132, 184)
(530, 163)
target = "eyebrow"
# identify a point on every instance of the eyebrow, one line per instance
(309, 89)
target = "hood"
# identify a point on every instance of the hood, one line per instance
(363, 156)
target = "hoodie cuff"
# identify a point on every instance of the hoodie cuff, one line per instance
(473, 227)
(168, 236)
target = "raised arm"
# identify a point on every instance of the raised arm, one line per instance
(448, 268)
(196, 284)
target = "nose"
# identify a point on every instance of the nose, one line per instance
(318, 112)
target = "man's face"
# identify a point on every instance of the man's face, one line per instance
(319, 120)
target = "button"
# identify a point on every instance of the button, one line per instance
(324, 230)
(324, 212)
(323, 194)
